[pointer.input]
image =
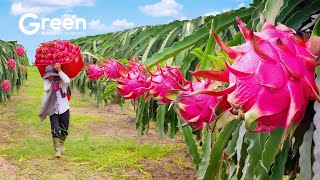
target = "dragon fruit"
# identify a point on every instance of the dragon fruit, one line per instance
(135, 66)
(112, 69)
(162, 80)
(52, 52)
(6, 86)
(20, 51)
(271, 79)
(132, 85)
(11, 64)
(198, 109)
(94, 72)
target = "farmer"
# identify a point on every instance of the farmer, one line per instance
(55, 104)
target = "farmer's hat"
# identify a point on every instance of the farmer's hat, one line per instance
(50, 71)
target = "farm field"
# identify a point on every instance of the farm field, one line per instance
(103, 142)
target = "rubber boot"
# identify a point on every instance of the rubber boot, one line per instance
(62, 140)
(57, 147)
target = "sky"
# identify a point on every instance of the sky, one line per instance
(58, 19)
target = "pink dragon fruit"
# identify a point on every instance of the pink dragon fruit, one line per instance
(20, 51)
(135, 66)
(198, 109)
(162, 80)
(112, 69)
(133, 85)
(94, 72)
(6, 86)
(11, 64)
(271, 79)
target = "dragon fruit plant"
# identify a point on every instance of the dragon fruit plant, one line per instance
(162, 80)
(6, 86)
(11, 64)
(93, 71)
(272, 78)
(20, 51)
(198, 109)
(132, 83)
(112, 69)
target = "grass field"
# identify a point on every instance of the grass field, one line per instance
(103, 143)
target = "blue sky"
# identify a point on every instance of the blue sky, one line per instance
(101, 16)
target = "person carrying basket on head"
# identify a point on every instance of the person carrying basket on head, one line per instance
(55, 105)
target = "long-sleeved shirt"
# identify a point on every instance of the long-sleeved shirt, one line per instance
(62, 104)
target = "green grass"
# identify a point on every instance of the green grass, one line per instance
(31, 140)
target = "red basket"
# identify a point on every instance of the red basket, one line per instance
(71, 68)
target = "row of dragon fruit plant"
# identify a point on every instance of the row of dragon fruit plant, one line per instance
(13, 70)
(235, 151)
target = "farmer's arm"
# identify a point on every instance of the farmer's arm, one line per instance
(63, 76)
(46, 85)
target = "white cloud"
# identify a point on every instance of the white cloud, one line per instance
(183, 18)
(97, 25)
(169, 8)
(116, 25)
(212, 13)
(241, 5)
(19, 7)
(224, 10)
(122, 23)
(63, 3)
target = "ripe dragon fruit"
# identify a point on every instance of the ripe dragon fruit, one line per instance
(133, 83)
(162, 80)
(94, 72)
(112, 69)
(271, 79)
(53, 52)
(20, 51)
(6, 86)
(198, 109)
(11, 64)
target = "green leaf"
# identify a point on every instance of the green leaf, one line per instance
(240, 144)
(272, 9)
(198, 53)
(286, 9)
(280, 162)
(254, 155)
(271, 148)
(178, 46)
(191, 144)
(161, 112)
(232, 144)
(213, 170)
(147, 51)
(316, 29)
(205, 62)
(305, 151)
(206, 150)
(170, 38)
(299, 17)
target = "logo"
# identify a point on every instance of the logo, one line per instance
(66, 25)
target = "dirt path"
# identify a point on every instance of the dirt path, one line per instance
(103, 143)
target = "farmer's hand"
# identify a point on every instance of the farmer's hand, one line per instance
(57, 66)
